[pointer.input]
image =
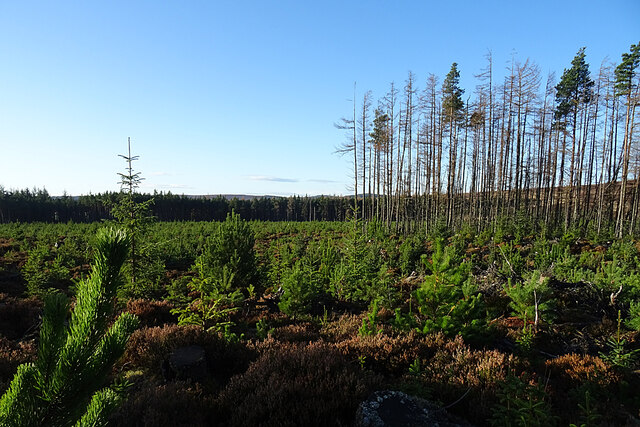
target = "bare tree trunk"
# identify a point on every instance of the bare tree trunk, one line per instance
(626, 156)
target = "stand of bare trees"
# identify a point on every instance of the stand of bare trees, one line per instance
(563, 151)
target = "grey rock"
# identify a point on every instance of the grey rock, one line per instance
(394, 408)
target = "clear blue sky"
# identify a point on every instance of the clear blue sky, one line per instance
(241, 96)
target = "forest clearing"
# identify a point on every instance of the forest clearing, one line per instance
(486, 271)
(300, 322)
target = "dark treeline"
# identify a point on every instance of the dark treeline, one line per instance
(38, 205)
(561, 151)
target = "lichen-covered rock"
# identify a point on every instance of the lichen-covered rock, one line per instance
(395, 408)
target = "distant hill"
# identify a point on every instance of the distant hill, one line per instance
(252, 197)
(223, 196)
(230, 196)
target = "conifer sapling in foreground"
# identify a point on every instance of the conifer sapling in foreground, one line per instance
(66, 385)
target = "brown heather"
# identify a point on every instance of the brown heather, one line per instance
(293, 384)
(175, 404)
(449, 368)
(456, 364)
(346, 326)
(573, 370)
(12, 354)
(151, 312)
(149, 347)
(19, 317)
(301, 332)
(571, 376)
(393, 354)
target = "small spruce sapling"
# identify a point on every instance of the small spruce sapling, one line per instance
(210, 301)
(532, 299)
(299, 290)
(448, 300)
(67, 383)
(43, 269)
(231, 246)
(618, 354)
(634, 316)
(263, 330)
(415, 368)
(356, 276)
(370, 322)
(521, 403)
(226, 265)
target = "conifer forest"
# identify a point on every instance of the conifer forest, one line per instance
(486, 265)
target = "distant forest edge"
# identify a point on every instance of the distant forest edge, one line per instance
(38, 206)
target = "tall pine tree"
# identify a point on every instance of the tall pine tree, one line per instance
(573, 92)
(452, 103)
(452, 113)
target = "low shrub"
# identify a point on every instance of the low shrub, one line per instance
(522, 402)
(293, 385)
(583, 388)
(151, 312)
(158, 405)
(19, 317)
(570, 370)
(391, 354)
(298, 332)
(149, 347)
(12, 354)
(343, 328)
(449, 369)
